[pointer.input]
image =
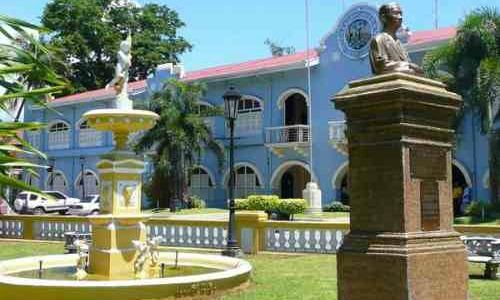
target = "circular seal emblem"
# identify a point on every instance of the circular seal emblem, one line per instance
(356, 30)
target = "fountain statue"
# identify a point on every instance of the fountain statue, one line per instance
(120, 81)
(82, 249)
(147, 251)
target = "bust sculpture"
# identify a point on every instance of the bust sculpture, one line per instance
(386, 51)
(120, 81)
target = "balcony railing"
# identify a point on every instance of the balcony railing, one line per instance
(337, 131)
(337, 137)
(287, 134)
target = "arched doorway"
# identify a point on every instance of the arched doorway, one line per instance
(293, 181)
(340, 183)
(461, 188)
(295, 110)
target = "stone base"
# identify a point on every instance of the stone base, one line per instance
(312, 194)
(420, 266)
(112, 253)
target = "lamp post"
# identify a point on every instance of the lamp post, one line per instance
(231, 99)
(50, 171)
(82, 178)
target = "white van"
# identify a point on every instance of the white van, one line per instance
(28, 202)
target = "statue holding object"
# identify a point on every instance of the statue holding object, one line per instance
(120, 81)
(387, 54)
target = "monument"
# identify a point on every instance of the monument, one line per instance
(401, 245)
(112, 255)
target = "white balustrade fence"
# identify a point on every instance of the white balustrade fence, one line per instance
(54, 230)
(303, 240)
(195, 236)
(287, 134)
(12, 229)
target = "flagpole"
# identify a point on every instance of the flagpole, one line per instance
(309, 96)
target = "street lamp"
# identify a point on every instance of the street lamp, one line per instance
(50, 171)
(82, 178)
(231, 100)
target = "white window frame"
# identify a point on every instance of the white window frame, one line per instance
(90, 187)
(57, 174)
(34, 137)
(249, 121)
(59, 133)
(89, 137)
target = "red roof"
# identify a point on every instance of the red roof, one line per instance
(425, 36)
(250, 66)
(259, 65)
(101, 93)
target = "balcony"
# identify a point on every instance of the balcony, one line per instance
(291, 137)
(337, 137)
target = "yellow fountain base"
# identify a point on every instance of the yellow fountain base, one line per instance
(112, 253)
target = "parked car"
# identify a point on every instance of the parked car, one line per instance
(28, 202)
(88, 206)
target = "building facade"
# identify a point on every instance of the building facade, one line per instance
(278, 126)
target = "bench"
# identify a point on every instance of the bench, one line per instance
(484, 250)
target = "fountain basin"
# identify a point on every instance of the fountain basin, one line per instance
(231, 273)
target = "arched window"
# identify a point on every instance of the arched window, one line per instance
(89, 137)
(56, 181)
(59, 135)
(91, 182)
(249, 121)
(247, 182)
(201, 184)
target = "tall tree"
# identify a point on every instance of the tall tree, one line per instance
(26, 72)
(178, 138)
(90, 31)
(472, 64)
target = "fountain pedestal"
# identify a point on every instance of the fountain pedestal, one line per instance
(120, 222)
(401, 245)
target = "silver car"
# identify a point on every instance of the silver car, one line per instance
(87, 206)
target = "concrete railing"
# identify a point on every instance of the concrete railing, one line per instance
(255, 232)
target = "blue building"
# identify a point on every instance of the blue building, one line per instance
(274, 129)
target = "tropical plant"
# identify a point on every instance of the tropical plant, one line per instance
(25, 73)
(472, 64)
(177, 140)
(90, 31)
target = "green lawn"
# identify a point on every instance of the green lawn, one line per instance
(192, 211)
(277, 276)
(470, 220)
(324, 215)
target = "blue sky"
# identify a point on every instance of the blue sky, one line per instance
(229, 31)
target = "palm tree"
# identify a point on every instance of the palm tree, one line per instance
(472, 63)
(178, 138)
(25, 73)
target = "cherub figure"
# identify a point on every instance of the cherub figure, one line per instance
(83, 258)
(120, 81)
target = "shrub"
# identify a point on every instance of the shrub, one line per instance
(241, 204)
(291, 207)
(195, 202)
(267, 203)
(337, 206)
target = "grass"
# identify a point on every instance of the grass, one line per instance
(327, 215)
(476, 221)
(192, 211)
(279, 276)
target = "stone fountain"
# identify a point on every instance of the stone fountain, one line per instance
(122, 263)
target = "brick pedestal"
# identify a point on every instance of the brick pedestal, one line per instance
(402, 245)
